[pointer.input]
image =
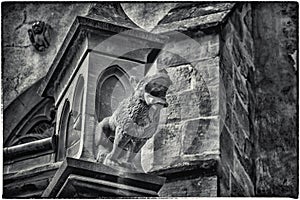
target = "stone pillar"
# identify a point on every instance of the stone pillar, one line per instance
(237, 137)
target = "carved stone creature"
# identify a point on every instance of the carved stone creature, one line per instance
(134, 122)
(39, 35)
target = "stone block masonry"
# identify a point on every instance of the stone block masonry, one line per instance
(237, 141)
(193, 187)
(193, 104)
(191, 131)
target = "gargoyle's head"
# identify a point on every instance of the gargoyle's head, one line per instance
(37, 27)
(156, 87)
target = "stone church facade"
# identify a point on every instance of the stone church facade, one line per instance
(229, 125)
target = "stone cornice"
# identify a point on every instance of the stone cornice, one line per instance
(194, 16)
(12, 153)
(192, 168)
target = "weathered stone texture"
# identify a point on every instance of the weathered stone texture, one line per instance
(33, 162)
(236, 173)
(199, 136)
(192, 187)
(190, 15)
(147, 15)
(183, 76)
(183, 11)
(276, 93)
(166, 146)
(184, 50)
(191, 128)
(209, 70)
(22, 65)
(195, 103)
(28, 183)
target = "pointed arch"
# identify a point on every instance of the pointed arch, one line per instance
(113, 86)
(62, 131)
(35, 125)
(77, 106)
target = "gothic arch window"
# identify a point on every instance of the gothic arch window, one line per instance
(39, 131)
(63, 129)
(72, 141)
(36, 125)
(113, 86)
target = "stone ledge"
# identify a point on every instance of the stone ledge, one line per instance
(200, 22)
(191, 168)
(31, 172)
(28, 183)
(28, 149)
(99, 179)
(82, 186)
(191, 10)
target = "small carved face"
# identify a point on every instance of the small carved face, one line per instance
(37, 27)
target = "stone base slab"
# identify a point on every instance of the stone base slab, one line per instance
(78, 178)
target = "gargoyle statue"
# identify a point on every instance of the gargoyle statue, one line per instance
(134, 122)
(39, 35)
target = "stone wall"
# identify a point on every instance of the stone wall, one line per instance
(191, 131)
(236, 69)
(147, 15)
(275, 36)
(22, 65)
(201, 186)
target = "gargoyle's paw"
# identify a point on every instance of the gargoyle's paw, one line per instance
(111, 163)
(100, 158)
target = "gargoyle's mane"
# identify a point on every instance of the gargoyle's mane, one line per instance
(138, 110)
(135, 108)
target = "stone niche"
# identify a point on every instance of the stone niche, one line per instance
(98, 66)
(103, 71)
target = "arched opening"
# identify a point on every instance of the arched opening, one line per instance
(40, 130)
(113, 87)
(78, 103)
(62, 134)
(72, 143)
(36, 124)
